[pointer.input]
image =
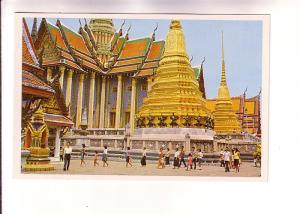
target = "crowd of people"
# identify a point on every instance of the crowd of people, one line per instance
(228, 160)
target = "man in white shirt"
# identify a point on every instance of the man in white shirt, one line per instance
(67, 158)
(227, 159)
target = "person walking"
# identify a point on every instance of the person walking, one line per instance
(231, 159)
(127, 157)
(161, 160)
(222, 163)
(143, 160)
(96, 159)
(104, 156)
(227, 157)
(67, 156)
(181, 156)
(82, 154)
(176, 159)
(190, 162)
(194, 157)
(200, 154)
(167, 157)
(61, 154)
(236, 160)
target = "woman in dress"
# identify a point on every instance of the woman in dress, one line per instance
(82, 154)
(104, 156)
(236, 160)
(167, 157)
(143, 160)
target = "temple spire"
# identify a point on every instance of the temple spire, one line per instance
(223, 76)
(34, 30)
(201, 80)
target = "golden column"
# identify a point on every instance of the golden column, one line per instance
(132, 105)
(225, 118)
(98, 85)
(107, 104)
(102, 102)
(149, 84)
(61, 78)
(69, 87)
(91, 100)
(79, 100)
(119, 102)
(49, 73)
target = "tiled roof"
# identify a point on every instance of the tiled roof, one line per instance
(156, 50)
(28, 52)
(127, 68)
(56, 36)
(118, 47)
(32, 81)
(58, 120)
(79, 47)
(145, 72)
(135, 48)
(153, 64)
(128, 62)
(75, 40)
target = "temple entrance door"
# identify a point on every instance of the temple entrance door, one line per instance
(112, 119)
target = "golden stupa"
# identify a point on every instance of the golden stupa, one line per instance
(175, 90)
(226, 120)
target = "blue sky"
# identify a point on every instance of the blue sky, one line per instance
(242, 44)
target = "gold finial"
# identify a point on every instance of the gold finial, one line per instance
(223, 76)
(175, 24)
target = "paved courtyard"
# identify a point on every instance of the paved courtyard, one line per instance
(118, 168)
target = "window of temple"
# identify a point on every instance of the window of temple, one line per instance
(129, 88)
(114, 89)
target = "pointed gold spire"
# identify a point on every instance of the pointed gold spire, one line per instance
(223, 76)
(175, 90)
(225, 118)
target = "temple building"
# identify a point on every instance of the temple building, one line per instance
(119, 83)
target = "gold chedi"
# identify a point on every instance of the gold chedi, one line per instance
(226, 120)
(175, 89)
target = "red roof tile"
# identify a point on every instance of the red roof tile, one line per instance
(150, 64)
(128, 62)
(32, 81)
(75, 40)
(124, 69)
(156, 50)
(28, 52)
(135, 48)
(58, 120)
(145, 72)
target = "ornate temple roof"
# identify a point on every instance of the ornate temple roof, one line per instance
(58, 120)
(78, 48)
(51, 41)
(33, 85)
(29, 58)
